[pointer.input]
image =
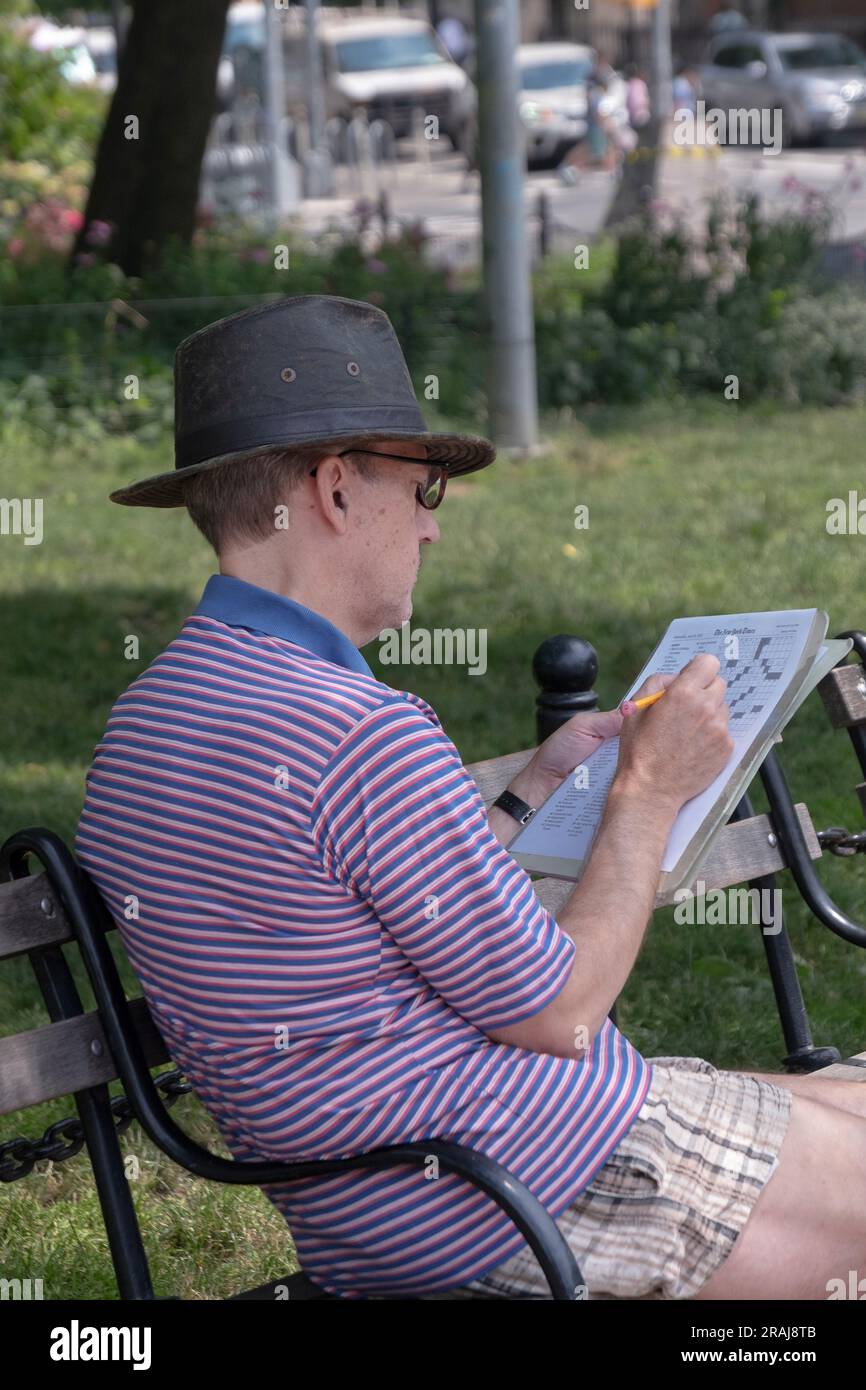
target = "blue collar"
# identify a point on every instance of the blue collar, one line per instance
(240, 604)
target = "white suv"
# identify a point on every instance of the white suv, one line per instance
(386, 65)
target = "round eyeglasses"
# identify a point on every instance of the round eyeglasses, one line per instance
(429, 494)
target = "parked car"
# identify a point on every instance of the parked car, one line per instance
(818, 81)
(385, 64)
(552, 100)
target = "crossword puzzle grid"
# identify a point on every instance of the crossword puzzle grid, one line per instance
(751, 679)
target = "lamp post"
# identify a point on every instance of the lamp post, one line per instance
(512, 391)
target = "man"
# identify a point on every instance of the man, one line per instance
(331, 935)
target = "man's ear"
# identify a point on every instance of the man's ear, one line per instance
(331, 472)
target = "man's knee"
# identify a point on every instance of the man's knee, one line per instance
(809, 1221)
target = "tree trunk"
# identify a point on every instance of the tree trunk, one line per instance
(145, 182)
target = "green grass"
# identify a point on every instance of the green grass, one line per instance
(693, 508)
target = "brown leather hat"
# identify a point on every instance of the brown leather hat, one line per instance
(308, 369)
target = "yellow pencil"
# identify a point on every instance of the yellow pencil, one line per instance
(648, 699)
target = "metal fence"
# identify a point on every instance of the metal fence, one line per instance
(366, 156)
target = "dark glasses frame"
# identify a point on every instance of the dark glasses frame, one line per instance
(439, 469)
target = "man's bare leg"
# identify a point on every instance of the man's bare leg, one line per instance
(839, 1091)
(808, 1225)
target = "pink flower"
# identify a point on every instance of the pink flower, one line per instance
(14, 247)
(85, 259)
(72, 219)
(376, 267)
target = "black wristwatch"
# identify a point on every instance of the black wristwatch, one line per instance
(521, 812)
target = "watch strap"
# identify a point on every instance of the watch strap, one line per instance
(519, 810)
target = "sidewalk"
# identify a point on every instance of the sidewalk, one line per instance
(447, 199)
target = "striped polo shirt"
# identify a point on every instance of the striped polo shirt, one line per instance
(326, 930)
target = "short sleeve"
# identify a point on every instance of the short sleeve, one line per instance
(398, 821)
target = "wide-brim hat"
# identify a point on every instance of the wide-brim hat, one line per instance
(310, 369)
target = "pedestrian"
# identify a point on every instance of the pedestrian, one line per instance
(685, 90)
(637, 97)
(727, 19)
(599, 150)
(452, 32)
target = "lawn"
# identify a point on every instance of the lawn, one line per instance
(692, 509)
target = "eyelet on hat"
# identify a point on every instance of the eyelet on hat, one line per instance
(353, 369)
(288, 374)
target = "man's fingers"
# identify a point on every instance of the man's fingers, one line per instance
(718, 689)
(701, 671)
(659, 680)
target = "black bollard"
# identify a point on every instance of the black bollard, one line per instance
(565, 668)
(543, 225)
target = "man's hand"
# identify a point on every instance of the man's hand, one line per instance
(552, 761)
(678, 746)
(570, 745)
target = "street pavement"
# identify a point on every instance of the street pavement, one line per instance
(431, 183)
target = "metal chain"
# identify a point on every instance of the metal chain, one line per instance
(840, 841)
(65, 1138)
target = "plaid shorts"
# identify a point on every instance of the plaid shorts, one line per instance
(662, 1214)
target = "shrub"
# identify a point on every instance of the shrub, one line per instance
(658, 313)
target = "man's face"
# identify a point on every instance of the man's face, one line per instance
(389, 527)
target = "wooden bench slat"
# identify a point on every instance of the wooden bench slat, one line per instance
(741, 851)
(493, 774)
(24, 925)
(59, 1059)
(843, 1071)
(843, 691)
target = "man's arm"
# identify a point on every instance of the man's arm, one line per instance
(606, 917)
(532, 789)
(668, 754)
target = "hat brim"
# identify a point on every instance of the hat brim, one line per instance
(459, 453)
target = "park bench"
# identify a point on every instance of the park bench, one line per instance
(79, 1052)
